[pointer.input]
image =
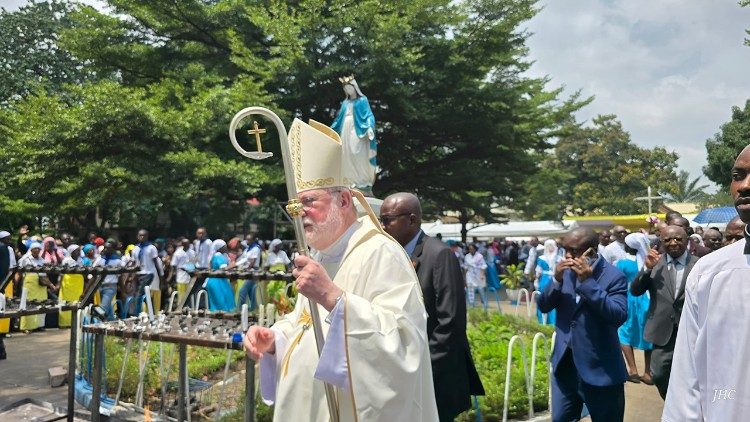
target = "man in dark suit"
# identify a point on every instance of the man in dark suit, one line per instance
(664, 278)
(454, 376)
(590, 296)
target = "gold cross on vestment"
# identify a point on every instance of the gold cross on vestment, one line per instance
(257, 131)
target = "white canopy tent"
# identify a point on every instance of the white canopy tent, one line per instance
(513, 229)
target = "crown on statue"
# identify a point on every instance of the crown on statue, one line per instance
(346, 79)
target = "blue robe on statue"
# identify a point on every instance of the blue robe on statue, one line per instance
(220, 293)
(363, 120)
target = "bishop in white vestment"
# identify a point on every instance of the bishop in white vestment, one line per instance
(376, 353)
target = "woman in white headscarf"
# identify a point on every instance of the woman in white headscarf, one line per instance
(220, 293)
(631, 331)
(545, 271)
(36, 285)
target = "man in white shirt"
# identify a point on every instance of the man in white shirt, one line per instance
(202, 247)
(615, 251)
(183, 257)
(250, 259)
(151, 273)
(710, 377)
(530, 265)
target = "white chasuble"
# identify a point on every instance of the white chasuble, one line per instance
(385, 350)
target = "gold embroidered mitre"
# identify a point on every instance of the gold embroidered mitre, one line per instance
(316, 156)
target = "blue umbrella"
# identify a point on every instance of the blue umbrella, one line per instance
(716, 215)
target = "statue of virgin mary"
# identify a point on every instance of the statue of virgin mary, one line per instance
(355, 123)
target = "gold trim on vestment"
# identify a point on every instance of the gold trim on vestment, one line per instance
(306, 322)
(315, 183)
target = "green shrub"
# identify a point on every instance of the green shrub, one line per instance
(489, 334)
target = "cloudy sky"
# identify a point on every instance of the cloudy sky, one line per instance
(669, 69)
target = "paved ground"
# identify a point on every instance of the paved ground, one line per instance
(24, 373)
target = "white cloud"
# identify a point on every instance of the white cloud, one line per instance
(670, 70)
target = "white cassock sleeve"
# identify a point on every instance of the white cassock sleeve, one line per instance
(269, 367)
(332, 366)
(683, 402)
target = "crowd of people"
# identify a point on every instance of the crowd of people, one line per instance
(394, 303)
(164, 265)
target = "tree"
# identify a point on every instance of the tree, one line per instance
(685, 190)
(598, 170)
(112, 154)
(726, 145)
(32, 56)
(459, 122)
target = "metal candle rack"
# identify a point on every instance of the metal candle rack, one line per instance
(187, 328)
(49, 306)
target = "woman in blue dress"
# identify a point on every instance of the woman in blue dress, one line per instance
(220, 293)
(631, 331)
(545, 271)
(493, 279)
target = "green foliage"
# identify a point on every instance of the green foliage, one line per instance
(489, 334)
(686, 190)
(513, 276)
(445, 80)
(112, 154)
(31, 55)
(721, 198)
(182, 69)
(726, 145)
(277, 291)
(597, 169)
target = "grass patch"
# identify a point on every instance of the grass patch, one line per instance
(489, 334)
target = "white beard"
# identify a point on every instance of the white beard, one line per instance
(323, 234)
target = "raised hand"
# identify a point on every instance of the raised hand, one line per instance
(312, 281)
(652, 258)
(259, 340)
(561, 267)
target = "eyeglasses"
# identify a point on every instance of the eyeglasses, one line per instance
(307, 202)
(387, 219)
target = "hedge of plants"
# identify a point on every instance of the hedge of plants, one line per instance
(489, 335)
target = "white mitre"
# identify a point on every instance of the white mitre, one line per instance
(316, 160)
(316, 156)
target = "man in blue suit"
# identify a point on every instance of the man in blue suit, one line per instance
(590, 296)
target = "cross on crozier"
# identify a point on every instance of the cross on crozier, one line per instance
(257, 131)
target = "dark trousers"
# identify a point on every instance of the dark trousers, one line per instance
(143, 281)
(570, 392)
(661, 364)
